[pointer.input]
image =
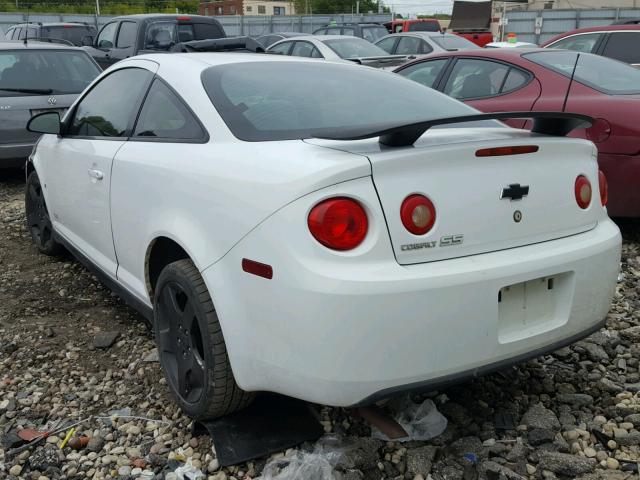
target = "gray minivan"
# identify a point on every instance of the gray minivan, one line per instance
(34, 78)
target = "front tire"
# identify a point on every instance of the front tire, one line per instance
(38, 220)
(191, 347)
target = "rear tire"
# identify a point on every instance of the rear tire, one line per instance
(38, 221)
(191, 347)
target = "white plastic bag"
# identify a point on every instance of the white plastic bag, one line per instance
(421, 421)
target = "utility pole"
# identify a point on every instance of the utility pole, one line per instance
(358, 7)
(97, 7)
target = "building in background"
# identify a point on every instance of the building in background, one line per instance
(247, 7)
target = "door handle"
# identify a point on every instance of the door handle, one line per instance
(97, 174)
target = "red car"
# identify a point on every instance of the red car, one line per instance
(614, 41)
(507, 79)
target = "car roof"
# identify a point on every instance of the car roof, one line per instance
(600, 28)
(53, 24)
(35, 45)
(151, 16)
(207, 59)
(422, 34)
(287, 34)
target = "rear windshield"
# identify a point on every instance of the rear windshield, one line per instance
(70, 33)
(424, 27)
(353, 47)
(374, 33)
(45, 72)
(262, 101)
(453, 42)
(600, 73)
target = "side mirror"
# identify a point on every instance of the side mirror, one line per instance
(87, 41)
(47, 122)
(106, 44)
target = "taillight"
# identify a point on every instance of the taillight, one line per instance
(183, 19)
(418, 214)
(338, 223)
(583, 191)
(604, 188)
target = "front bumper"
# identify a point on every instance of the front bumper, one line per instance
(346, 336)
(623, 176)
(15, 155)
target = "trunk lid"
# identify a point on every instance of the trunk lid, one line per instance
(16, 110)
(471, 217)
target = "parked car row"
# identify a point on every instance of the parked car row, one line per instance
(303, 227)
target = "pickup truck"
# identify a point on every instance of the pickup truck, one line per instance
(130, 35)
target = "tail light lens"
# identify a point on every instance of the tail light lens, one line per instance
(604, 188)
(583, 191)
(338, 223)
(418, 214)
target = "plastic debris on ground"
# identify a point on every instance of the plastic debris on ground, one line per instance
(189, 472)
(300, 465)
(421, 421)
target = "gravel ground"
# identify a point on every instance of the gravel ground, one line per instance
(533, 421)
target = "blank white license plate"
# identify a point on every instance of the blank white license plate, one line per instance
(534, 307)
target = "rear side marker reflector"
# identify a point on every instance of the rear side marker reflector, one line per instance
(257, 268)
(502, 151)
(604, 188)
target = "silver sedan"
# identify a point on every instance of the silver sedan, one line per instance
(415, 44)
(337, 48)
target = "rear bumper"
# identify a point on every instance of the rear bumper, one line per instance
(343, 334)
(623, 175)
(14, 155)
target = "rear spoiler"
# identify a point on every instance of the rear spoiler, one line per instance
(229, 44)
(545, 123)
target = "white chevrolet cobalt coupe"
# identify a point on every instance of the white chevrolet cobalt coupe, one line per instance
(326, 231)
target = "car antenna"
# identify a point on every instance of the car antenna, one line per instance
(26, 35)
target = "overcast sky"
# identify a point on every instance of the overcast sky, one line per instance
(420, 6)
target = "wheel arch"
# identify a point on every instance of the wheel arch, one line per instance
(162, 251)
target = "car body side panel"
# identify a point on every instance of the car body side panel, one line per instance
(211, 196)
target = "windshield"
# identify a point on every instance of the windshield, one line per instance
(262, 101)
(374, 33)
(70, 33)
(45, 72)
(452, 42)
(353, 47)
(600, 73)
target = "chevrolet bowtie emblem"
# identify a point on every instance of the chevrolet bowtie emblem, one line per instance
(515, 191)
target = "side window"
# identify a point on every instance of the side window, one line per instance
(397, 28)
(165, 116)
(408, 46)
(425, 73)
(349, 31)
(578, 43)
(623, 46)
(108, 109)
(32, 33)
(425, 47)
(473, 78)
(107, 36)
(127, 35)
(22, 32)
(202, 31)
(160, 36)
(387, 44)
(322, 31)
(315, 53)
(515, 80)
(282, 48)
(302, 49)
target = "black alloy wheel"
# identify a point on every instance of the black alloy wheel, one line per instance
(191, 346)
(38, 221)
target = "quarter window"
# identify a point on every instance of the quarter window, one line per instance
(623, 46)
(127, 35)
(107, 36)
(302, 49)
(282, 48)
(425, 73)
(108, 109)
(472, 78)
(164, 116)
(578, 43)
(387, 44)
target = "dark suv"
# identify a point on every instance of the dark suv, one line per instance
(131, 35)
(369, 31)
(66, 33)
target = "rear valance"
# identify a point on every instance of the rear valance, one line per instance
(547, 123)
